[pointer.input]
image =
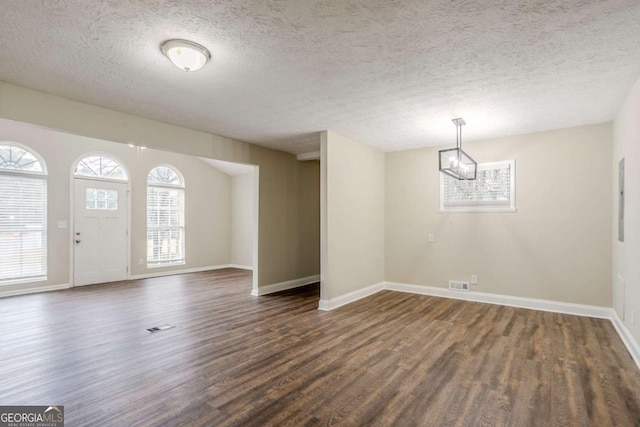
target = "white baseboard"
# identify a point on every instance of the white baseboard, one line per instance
(505, 300)
(511, 301)
(241, 267)
(34, 290)
(627, 338)
(182, 271)
(530, 303)
(330, 304)
(283, 286)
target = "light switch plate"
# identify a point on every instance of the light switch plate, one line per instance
(62, 224)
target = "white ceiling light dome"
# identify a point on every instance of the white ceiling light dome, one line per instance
(185, 54)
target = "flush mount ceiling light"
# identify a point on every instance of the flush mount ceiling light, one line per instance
(186, 55)
(455, 162)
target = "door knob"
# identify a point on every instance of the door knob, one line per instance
(77, 241)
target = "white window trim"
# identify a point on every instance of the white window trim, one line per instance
(43, 175)
(182, 183)
(171, 186)
(25, 280)
(168, 264)
(88, 178)
(75, 164)
(181, 186)
(477, 209)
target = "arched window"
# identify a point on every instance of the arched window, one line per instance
(165, 217)
(23, 214)
(101, 166)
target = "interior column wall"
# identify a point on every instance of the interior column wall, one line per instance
(352, 217)
(626, 255)
(309, 218)
(242, 199)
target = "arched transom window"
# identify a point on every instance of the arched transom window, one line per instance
(101, 166)
(165, 217)
(165, 175)
(16, 158)
(23, 215)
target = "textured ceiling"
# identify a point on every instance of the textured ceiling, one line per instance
(389, 73)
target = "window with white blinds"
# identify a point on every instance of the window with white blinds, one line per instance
(165, 217)
(492, 191)
(23, 215)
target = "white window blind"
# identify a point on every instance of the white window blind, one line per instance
(23, 216)
(493, 190)
(165, 217)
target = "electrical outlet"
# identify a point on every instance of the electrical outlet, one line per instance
(474, 279)
(633, 317)
(140, 261)
(430, 238)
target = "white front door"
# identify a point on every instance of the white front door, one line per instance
(99, 231)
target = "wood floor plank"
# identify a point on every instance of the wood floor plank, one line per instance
(237, 360)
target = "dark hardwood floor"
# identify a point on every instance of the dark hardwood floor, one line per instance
(233, 359)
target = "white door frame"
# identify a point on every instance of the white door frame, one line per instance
(256, 228)
(72, 211)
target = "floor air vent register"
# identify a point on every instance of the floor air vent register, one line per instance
(161, 328)
(455, 285)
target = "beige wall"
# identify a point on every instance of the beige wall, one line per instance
(207, 199)
(353, 216)
(279, 205)
(207, 208)
(279, 257)
(556, 246)
(242, 223)
(626, 255)
(309, 218)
